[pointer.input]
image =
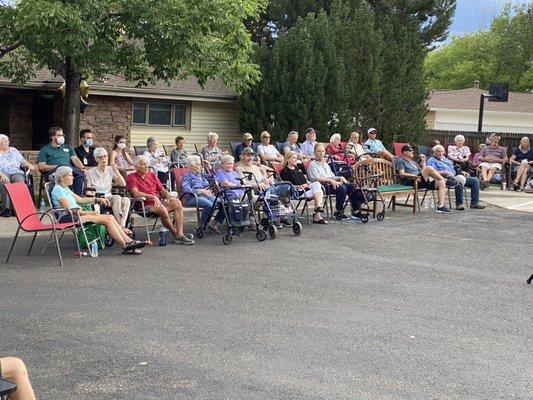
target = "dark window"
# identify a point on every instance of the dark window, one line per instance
(159, 113)
(180, 115)
(139, 113)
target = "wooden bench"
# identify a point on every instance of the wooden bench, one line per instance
(387, 185)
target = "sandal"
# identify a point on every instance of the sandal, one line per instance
(135, 244)
(321, 221)
(319, 210)
(135, 252)
(127, 231)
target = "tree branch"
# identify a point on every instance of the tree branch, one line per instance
(9, 49)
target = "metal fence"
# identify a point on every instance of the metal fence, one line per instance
(510, 140)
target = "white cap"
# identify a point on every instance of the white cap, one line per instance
(370, 130)
(461, 179)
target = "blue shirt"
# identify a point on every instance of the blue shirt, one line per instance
(519, 155)
(10, 162)
(60, 192)
(231, 177)
(192, 182)
(308, 147)
(443, 164)
(373, 146)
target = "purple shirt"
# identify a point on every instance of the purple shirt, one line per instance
(231, 177)
(498, 152)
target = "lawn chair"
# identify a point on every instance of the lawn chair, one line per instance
(7, 388)
(28, 220)
(398, 148)
(178, 177)
(139, 150)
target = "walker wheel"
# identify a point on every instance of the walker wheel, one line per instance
(380, 215)
(297, 228)
(364, 219)
(227, 239)
(261, 235)
(272, 231)
(199, 232)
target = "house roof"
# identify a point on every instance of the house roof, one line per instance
(188, 87)
(468, 99)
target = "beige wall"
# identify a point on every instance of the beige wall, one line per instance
(206, 117)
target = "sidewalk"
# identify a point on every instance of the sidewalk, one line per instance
(509, 199)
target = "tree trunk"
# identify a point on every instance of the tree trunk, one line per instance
(71, 105)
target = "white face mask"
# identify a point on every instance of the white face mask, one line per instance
(89, 142)
(121, 146)
(60, 140)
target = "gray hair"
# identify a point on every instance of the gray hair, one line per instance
(212, 135)
(151, 140)
(192, 160)
(99, 151)
(3, 137)
(226, 158)
(437, 147)
(292, 133)
(459, 138)
(60, 172)
(138, 159)
(334, 137)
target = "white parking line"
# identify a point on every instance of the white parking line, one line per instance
(521, 205)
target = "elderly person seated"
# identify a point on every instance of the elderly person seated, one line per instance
(11, 162)
(101, 179)
(445, 168)
(427, 177)
(247, 142)
(13, 369)
(308, 147)
(522, 159)
(212, 153)
(62, 196)
(179, 155)
(120, 157)
(492, 158)
(459, 153)
(157, 159)
(320, 171)
(227, 178)
(197, 186)
(335, 147)
(144, 183)
(291, 173)
(250, 173)
(373, 145)
(355, 148)
(292, 145)
(268, 152)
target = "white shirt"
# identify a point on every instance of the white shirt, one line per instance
(94, 178)
(268, 150)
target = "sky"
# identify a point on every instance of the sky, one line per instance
(474, 15)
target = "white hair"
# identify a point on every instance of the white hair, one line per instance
(138, 159)
(437, 147)
(334, 137)
(3, 137)
(212, 135)
(292, 133)
(459, 138)
(60, 172)
(192, 160)
(226, 158)
(99, 151)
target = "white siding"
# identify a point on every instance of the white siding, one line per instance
(466, 120)
(206, 117)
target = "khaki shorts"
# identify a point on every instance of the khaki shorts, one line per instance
(489, 165)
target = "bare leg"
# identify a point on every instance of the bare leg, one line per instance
(175, 206)
(112, 226)
(484, 173)
(162, 212)
(490, 174)
(441, 191)
(14, 369)
(431, 172)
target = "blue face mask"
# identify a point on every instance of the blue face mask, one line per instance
(89, 142)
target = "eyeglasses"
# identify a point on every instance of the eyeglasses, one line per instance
(408, 149)
(105, 156)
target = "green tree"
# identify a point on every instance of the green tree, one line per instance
(502, 54)
(142, 40)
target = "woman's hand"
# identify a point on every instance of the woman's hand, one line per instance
(4, 178)
(103, 201)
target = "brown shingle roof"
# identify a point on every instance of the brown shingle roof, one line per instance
(186, 87)
(468, 99)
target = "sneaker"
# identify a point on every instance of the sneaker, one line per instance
(357, 215)
(7, 213)
(443, 209)
(183, 240)
(213, 228)
(285, 221)
(340, 215)
(278, 225)
(460, 207)
(477, 206)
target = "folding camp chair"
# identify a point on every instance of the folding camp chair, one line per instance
(29, 221)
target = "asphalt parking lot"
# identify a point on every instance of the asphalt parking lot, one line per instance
(415, 307)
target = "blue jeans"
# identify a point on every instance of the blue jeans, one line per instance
(206, 203)
(341, 192)
(473, 184)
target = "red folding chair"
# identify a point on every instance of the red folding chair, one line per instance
(398, 148)
(29, 221)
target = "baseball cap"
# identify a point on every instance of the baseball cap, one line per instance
(247, 136)
(247, 150)
(309, 130)
(371, 130)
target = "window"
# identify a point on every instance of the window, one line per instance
(180, 115)
(162, 114)
(139, 113)
(159, 114)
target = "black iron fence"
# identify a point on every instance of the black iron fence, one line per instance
(474, 139)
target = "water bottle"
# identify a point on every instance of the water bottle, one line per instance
(163, 236)
(42, 206)
(94, 248)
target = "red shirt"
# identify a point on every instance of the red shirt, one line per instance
(148, 184)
